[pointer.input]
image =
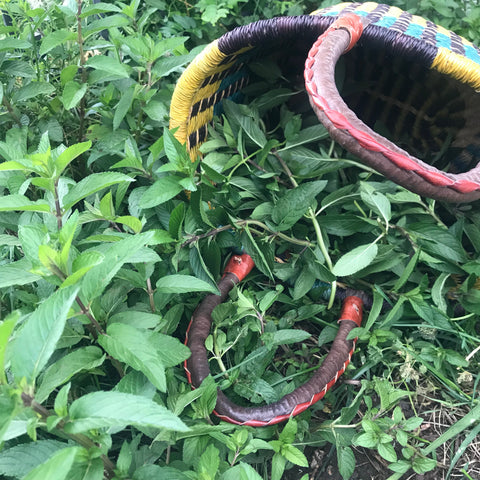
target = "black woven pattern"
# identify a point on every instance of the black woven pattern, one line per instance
(274, 32)
(404, 46)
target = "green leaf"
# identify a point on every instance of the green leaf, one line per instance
(241, 471)
(10, 203)
(207, 401)
(123, 106)
(407, 271)
(17, 273)
(157, 111)
(32, 90)
(438, 296)
(295, 203)
(54, 39)
(10, 427)
(303, 283)
(109, 65)
(91, 184)
(278, 466)
(402, 466)
(355, 260)
(387, 451)
(99, 7)
(154, 472)
(98, 277)
(8, 409)
(247, 121)
(73, 92)
(412, 423)
(289, 431)
(81, 265)
(31, 237)
(110, 21)
(294, 455)
(171, 351)
(423, 465)
(10, 44)
(12, 165)
(367, 440)
(183, 284)
(161, 191)
(306, 135)
(176, 152)
(144, 357)
(288, 336)
(63, 370)
(131, 222)
(209, 462)
(388, 395)
(345, 461)
(6, 328)
(57, 466)
(402, 437)
(18, 68)
(165, 66)
(116, 409)
(438, 241)
(430, 314)
(50, 259)
(137, 318)
(61, 402)
(344, 225)
(377, 201)
(36, 340)
(87, 468)
(17, 461)
(9, 240)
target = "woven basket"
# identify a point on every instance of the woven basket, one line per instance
(412, 81)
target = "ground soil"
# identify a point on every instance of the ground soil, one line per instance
(370, 466)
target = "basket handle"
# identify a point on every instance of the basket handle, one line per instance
(336, 362)
(351, 133)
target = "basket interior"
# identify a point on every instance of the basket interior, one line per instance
(386, 80)
(430, 115)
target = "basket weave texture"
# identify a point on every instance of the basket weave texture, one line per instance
(221, 69)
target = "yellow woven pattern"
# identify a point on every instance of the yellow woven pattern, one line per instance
(189, 91)
(458, 67)
(203, 66)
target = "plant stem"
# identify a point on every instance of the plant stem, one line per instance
(58, 209)
(150, 295)
(217, 355)
(81, 112)
(245, 223)
(318, 232)
(86, 311)
(82, 440)
(11, 111)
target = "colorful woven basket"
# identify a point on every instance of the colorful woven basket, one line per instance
(412, 81)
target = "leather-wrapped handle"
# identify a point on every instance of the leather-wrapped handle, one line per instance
(349, 131)
(197, 368)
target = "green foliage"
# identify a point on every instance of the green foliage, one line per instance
(110, 236)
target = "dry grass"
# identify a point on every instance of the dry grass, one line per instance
(436, 422)
(438, 418)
